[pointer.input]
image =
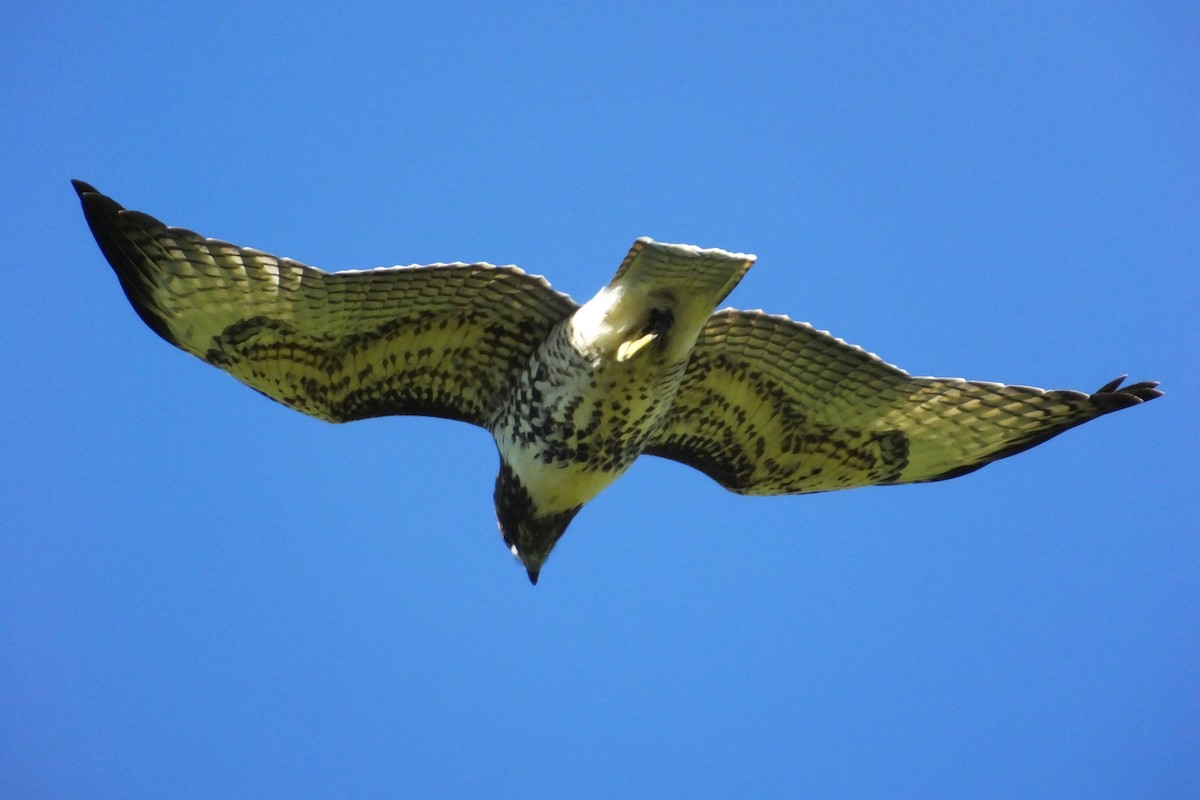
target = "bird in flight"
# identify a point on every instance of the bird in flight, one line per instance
(573, 394)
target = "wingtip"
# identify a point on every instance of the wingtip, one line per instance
(1112, 385)
(1140, 392)
(93, 199)
(97, 205)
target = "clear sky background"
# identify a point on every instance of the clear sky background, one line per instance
(204, 594)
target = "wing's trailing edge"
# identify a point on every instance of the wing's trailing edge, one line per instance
(772, 406)
(440, 340)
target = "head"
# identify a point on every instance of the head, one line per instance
(529, 535)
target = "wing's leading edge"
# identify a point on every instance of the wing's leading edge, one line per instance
(441, 340)
(772, 406)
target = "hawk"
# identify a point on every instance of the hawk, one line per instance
(573, 394)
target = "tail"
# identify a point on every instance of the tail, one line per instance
(711, 272)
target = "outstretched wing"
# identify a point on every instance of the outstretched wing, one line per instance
(443, 340)
(772, 406)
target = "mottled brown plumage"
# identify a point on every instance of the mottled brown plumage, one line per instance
(772, 406)
(574, 394)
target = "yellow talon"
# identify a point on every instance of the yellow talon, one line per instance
(629, 349)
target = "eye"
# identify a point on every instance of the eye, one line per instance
(504, 534)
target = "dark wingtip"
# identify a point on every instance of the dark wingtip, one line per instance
(533, 573)
(96, 205)
(108, 221)
(1134, 393)
(1112, 385)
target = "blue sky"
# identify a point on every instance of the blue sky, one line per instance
(203, 594)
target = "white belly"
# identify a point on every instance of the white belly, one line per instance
(573, 426)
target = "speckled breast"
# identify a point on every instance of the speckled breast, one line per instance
(572, 425)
